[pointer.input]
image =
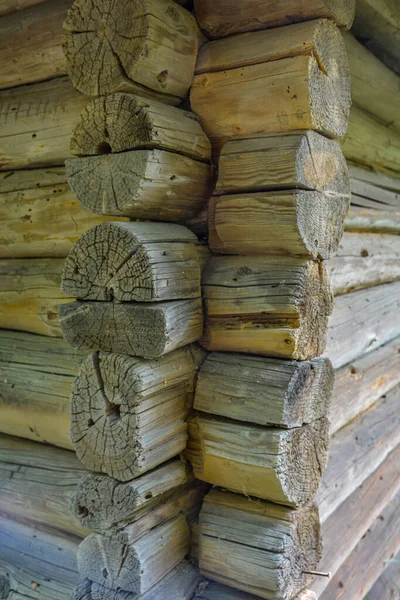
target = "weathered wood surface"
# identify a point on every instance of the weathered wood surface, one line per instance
(362, 382)
(374, 87)
(371, 196)
(247, 90)
(30, 295)
(364, 260)
(357, 450)
(281, 222)
(370, 144)
(388, 584)
(230, 16)
(134, 328)
(138, 567)
(281, 465)
(369, 220)
(275, 306)
(121, 122)
(363, 321)
(305, 160)
(37, 485)
(30, 46)
(104, 504)
(210, 590)
(10, 6)
(278, 542)
(148, 47)
(128, 414)
(264, 391)
(369, 558)
(143, 262)
(344, 528)
(36, 564)
(36, 123)
(374, 177)
(39, 215)
(377, 24)
(36, 374)
(178, 584)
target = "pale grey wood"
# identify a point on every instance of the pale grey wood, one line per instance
(374, 177)
(366, 220)
(210, 590)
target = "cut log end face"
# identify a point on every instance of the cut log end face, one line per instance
(148, 45)
(132, 262)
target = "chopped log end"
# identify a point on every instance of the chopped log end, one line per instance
(111, 396)
(286, 466)
(291, 544)
(141, 262)
(288, 223)
(117, 49)
(137, 567)
(143, 184)
(135, 329)
(121, 122)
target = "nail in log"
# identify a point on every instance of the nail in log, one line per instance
(279, 543)
(127, 414)
(274, 306)
(146, 46)
(291, 78)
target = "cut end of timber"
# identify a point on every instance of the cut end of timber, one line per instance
(117, 49)
(141, 262)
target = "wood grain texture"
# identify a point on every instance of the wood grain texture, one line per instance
(30, 47)
(363, 321)
(256, 546)
(231, 17)
(37, 485)
(149, 47)
(362, 382)
(388, 584)
(363, 261)
(210, 590)
(365, 220)
(344, 528)
(374, 177)
(264, 391)
(142, 262)
(280, 465)
(271, 306)
(128, 414)
(39, 215)
(371, 196)
(10, 6)
(30, 295)
(36, 374)
(138, 567)
(134, 328)
(290, 222)
(36, 123)
(357, 450)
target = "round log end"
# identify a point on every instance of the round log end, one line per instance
(342, 11)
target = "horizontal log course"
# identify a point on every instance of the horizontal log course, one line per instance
(345, 527)
(374, 87)
(266, 305)
(178, 584)
(362, 382)
(39, 215)
(30, 295)
(142, 262)
(280, 543)
(30, 47)
(36, 123)
(363, 321)
(365, 220)
(136, 567)
(37, 564)
(36, 374)
(280, 465)
(375, 177)
(231, 17)
(371, 196)
(149, 330)
(149, 46)
(10, 6)
(210, 590)
(357, 450)
(386, 587)
(364, 260)
(264, 391)
(281, 222)
(369, 558)
(305, 160)
(377, 24)
(128, 414)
